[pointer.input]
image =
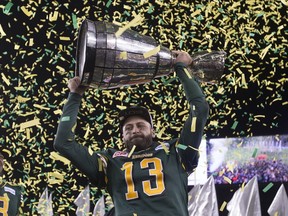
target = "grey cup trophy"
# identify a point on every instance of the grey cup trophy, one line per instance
(106, 61)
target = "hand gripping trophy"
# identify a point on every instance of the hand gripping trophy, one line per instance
(106, 61)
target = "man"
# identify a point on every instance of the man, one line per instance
(148, 178)
(10, 196)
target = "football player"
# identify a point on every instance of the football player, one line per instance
(10, 195)
(147, 177)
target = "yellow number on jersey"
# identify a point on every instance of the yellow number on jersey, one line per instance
(157, 171)
(131, 193)
(5, 205)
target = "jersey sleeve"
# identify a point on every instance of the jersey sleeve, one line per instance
(192, 131)
(65, 144)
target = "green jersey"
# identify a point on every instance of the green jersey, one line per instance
(149, 182)
(10, 200)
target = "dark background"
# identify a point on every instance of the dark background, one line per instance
(37, 57)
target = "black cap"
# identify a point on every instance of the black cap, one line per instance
(134, 111)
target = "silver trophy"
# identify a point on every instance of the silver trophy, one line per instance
(106, 61)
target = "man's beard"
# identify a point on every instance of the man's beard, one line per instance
(141, 142)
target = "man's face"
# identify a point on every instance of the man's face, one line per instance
(138, 132)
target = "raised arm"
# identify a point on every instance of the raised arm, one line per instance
(192, 132)
(65, 138)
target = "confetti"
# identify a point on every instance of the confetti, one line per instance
(5, 79)
(56, 156)
(229, 181)
(123, 55)
(55, 177)
(65, 118)
(223, 206)
(74, 21)
(41, 107)
(193, 124)
(264, 51)
(136, 21)
(132, 150)
(63, 38)
(26, 12)
(53, 16)
(151, 52)
(183, 112)
(7, 8)
(268, 187)
(254, 152)
(2, 33)
(234, 125)
(30, 123)
(180, 146)
(164, 147)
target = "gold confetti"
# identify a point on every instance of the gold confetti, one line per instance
(193, 124)
(123, 55)
(227, 179)
(56, 156)
(41, 107)
(264, 51)
(2, 33)
(223, 206)
(5, 79)
(284, 2)
(26, 12)
(53, 16)
(164, 147)
(64, 38)
(183, 112)
(151, 52)
(132, 151)
(55, 178)
(136, 21)
(30, 123)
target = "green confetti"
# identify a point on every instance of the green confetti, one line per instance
(6, 123)
(181, 44)
(180, 146)
(127, 13)
(109, 3)
(74, 20)
(268, 187)
(150, 9)
(100, 117)
(234, 125)
(65, 118)
(254, 152)
(7, 8)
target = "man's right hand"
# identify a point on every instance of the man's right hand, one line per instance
(74, 85)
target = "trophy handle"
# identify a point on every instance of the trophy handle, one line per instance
(207, 66)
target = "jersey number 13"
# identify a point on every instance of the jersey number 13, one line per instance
(4, 205)
(156, 171)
